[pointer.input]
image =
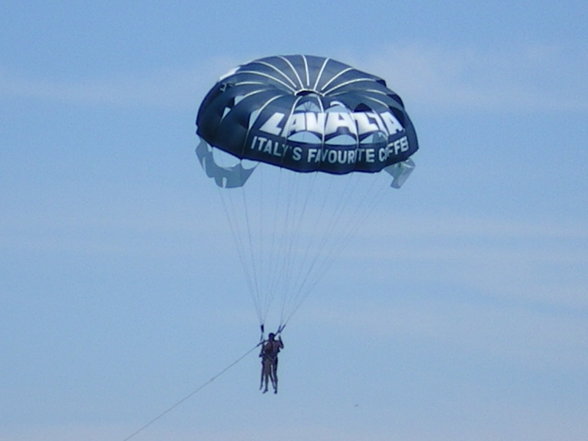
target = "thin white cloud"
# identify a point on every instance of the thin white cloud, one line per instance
(518, 78)
(537, 260)
(169, 87)
(463, 226)
(476, 417)
(517, 336)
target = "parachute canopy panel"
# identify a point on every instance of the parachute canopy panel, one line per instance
(307, 113)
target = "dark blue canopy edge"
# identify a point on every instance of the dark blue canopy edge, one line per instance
(307, 113)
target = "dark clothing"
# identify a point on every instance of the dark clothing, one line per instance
(269, 362)
(271, 348)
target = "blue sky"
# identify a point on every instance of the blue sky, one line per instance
(459, 312)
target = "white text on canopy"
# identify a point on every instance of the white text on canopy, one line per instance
(328, 123)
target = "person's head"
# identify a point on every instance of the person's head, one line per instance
(271, 336)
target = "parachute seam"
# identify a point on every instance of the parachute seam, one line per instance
(247, 83)
(247, 95)
(267, 103)
(265, 63)
(265, 75)
(320, 74)
(287, 124)
(347, 83)
(334, 77)
(306, 70)
(378, 101)
(293, 70)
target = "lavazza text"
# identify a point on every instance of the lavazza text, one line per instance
(325, 126)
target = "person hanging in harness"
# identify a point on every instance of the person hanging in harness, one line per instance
(269, 361)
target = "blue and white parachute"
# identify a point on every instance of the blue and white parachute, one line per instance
(318, 133)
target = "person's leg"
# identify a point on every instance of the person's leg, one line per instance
(266, 373)
(275, 375)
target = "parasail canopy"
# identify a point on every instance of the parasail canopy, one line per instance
(306, 113)
(302, 138)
